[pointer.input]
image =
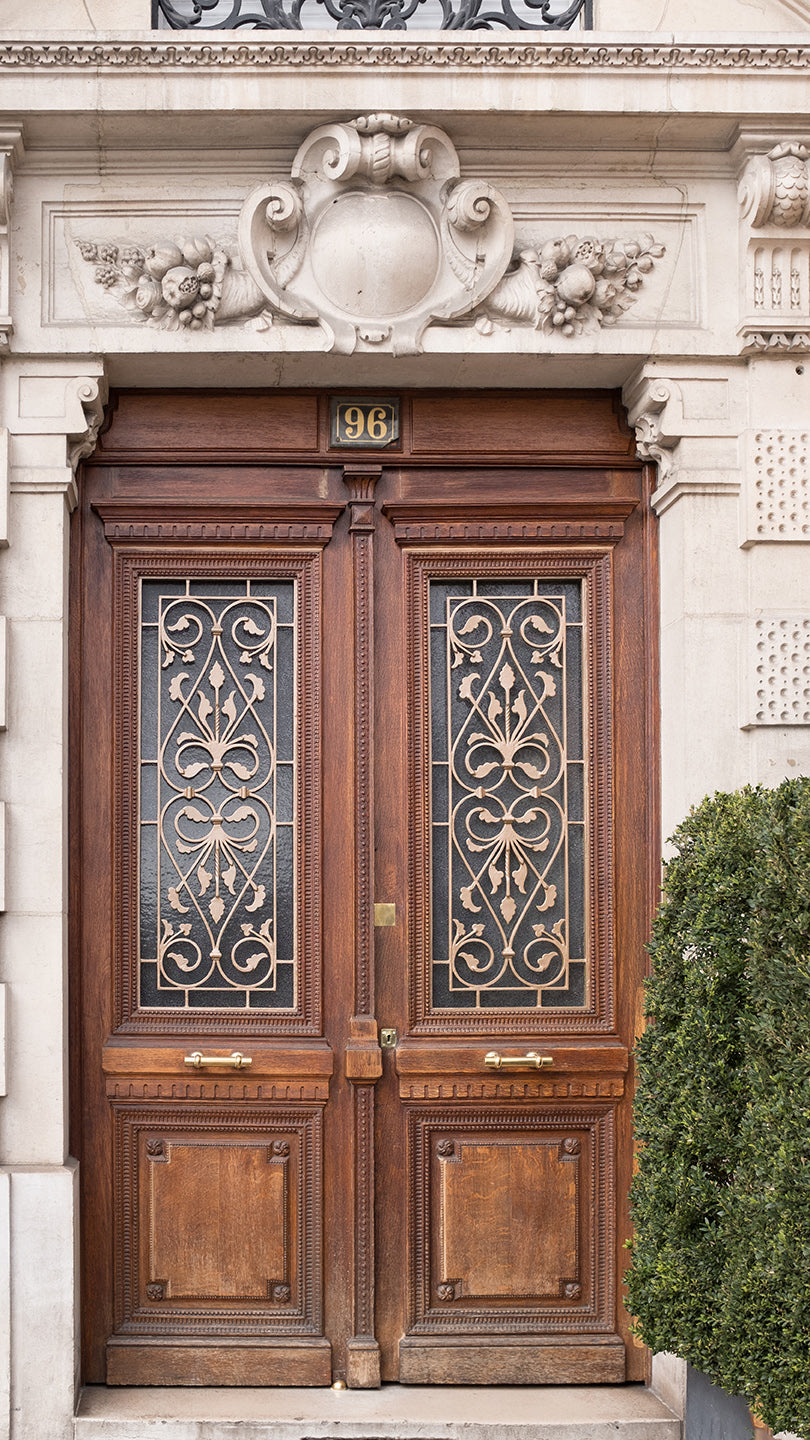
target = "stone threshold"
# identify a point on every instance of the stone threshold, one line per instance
(395, 1412)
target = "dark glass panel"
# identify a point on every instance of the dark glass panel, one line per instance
(574, 997)
(149, 892)
(508, 999)
(285, 793)
(438, 693)
(572, 591)
(150, 667)
(151, 997)
(576, 793)
(151, 593)
(209, 680)
(439, 795)
(445, 999)
(440, 592)
(219, 999)
(284, 996)
(576, 889)
(222, 589)
(282, 591)
(285, 893)
(574, 693)
(517, 589)
(285, 679)
(149, 783)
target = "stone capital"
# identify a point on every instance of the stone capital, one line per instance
(687, 420)
(774, 196)
(52, 412)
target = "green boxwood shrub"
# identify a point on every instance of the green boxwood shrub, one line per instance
(721, 1201)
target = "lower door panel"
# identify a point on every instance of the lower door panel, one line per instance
(218, 1245)
(513, 1246)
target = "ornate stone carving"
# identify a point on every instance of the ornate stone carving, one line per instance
(189, 283)
(377, 235)
(750, 58)
(775, 188)
(570, 285)
(10, 151)
(774, 194)
(655, 440)
(90, 394)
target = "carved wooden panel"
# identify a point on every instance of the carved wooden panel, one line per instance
(509, 731)
(511, 1226)
(218, 1221)
(508, 1218)
(218, 812)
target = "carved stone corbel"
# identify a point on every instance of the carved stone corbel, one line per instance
(85, 398)
(376, 235)
(774, 196)
(655, 412)
(688, 422)
(11, 150)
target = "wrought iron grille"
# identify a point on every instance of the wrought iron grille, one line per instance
(370, 14)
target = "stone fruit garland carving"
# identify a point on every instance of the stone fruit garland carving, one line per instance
(187, 284)
(571, 285)
(564, 286)
(375, 237)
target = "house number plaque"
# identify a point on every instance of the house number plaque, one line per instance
(365, 424)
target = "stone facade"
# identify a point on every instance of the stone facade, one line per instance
(628, 207)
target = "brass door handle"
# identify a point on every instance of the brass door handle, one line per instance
(236, 1060)
(530, 1061)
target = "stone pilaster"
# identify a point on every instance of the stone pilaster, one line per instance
(50, 412)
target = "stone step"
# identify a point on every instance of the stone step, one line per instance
(396, 1412)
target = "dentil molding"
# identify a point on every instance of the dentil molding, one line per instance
(374, 237)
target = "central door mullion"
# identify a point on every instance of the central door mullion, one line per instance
(363, 1057)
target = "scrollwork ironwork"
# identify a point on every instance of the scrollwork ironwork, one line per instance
(370, 14)
(211, 842)
(514, 888)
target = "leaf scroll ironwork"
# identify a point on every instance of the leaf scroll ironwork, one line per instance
(509, 680)
(370, 14)
(217, 777)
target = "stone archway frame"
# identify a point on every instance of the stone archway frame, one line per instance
(376, 235)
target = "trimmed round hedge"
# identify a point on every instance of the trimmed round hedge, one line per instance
(721, 1200)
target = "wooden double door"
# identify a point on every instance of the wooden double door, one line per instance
(363, 809)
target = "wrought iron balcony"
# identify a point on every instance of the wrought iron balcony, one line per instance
(205, 15)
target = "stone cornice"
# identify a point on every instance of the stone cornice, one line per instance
(320, 51)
